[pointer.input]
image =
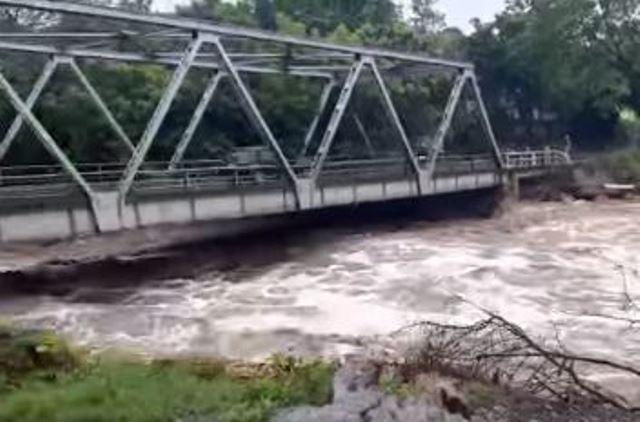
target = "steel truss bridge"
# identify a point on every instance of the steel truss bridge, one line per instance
(73, 198)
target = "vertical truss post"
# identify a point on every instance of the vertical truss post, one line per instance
(313, 128)
(153, 127)
(100, 103)
(486, 123)
(336, 117)
(48, 142)
(196, 118)
(256, 118)
(365, 135)
(38, 87)
(395, 119)
(447, 118)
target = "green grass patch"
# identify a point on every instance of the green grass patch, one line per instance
(43, 380)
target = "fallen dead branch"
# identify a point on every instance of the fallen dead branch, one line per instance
(498, 351)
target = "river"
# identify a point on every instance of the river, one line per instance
(553, 268)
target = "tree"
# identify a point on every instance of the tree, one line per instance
(538, 69)
(266, 15)
(424, 18)
(322, 17)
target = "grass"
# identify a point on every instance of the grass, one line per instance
(43, 379)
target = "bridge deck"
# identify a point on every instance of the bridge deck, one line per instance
(42, 203)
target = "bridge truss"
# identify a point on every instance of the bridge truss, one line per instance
(184, 44)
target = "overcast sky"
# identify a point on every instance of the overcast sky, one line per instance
(459, 12)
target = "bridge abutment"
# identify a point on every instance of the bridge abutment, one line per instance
(107, 211)
(306, 189)
(511, 186)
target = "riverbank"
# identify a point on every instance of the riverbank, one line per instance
(43, 378)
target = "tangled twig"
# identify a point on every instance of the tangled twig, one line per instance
(499, 351)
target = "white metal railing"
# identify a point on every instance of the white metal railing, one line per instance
(37, 181)
(548, 157)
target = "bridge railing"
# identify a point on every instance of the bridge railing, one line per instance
(462, 164)
(517, 160)
(45, 180)
(190, 172)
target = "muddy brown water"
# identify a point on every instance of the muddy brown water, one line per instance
(552, 268)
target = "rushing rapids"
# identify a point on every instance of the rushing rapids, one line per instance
(556, 269)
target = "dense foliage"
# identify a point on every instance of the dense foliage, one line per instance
(551, 70)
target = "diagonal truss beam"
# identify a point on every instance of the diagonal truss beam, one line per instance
(313, 128)
(124, 138)
(486, 123)
(395, 119)
(447, 118)
(341, 107)
(38, 87)
(364, 134)
(45, 138)
(196, 118)
(158, 117)
(336, 118)
(466, 76)
(256, 118)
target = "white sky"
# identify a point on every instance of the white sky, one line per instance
(459, 12)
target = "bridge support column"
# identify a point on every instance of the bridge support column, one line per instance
(306, 191)
(107, 211)
(425, 182)
(511, 186)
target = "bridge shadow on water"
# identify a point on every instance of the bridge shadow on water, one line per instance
(240, 257)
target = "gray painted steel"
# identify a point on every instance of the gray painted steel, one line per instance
(46, 139)
(336, 118)
(253, 112)
(111, 200)
(38, 87)
(397, 124)
(158, 117)
(447, 118)
(205, 27)
(188, 134)
(101, 104)
(313, 128)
